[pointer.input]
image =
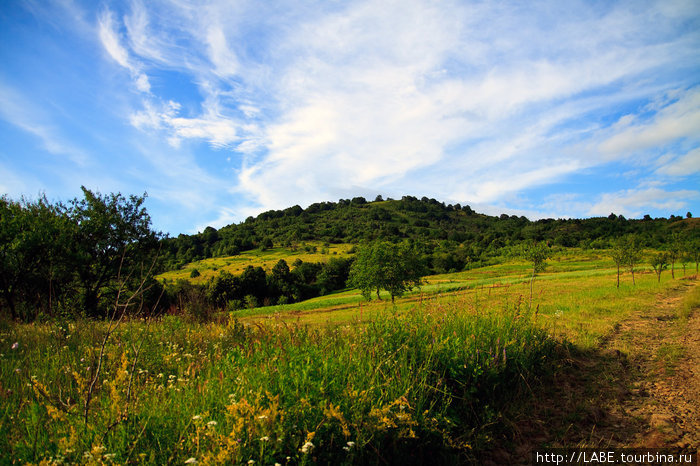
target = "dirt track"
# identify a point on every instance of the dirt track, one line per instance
(640, 388)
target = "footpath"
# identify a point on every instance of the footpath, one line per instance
(639, 389)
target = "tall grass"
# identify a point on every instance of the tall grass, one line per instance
(429, 380)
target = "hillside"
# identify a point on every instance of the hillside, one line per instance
(455, 234)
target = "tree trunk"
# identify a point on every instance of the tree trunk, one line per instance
(618, 276)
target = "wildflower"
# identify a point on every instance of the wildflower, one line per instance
(558, 313)
(109, 456)
(15, 345)
(351, 444)
(251, 461)
(191, 461)
(211, 423)
(308, 446)
(196, 418)
(262, 417)
(265, 439)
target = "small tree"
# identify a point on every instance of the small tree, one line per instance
(693, 251)
(537, 253)
(660, 263)
(675, 251)
(633, 254)
(619, 256)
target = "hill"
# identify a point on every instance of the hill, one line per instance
(453, 235)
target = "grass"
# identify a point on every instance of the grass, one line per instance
(266, 259)
(396, 387)
(433, 378)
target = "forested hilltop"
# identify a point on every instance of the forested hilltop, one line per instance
(453, 235)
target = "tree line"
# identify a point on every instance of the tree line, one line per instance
(257, 287)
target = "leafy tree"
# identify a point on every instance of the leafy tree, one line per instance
(281, 280)
(33, 272)
(333, 275)
(223, 288)
(626, 252)
(675, 250)
(112, 233)
(634, 255)
(381, 265)
(660, 263)
(693, 251)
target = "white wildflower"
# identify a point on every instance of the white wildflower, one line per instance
(265, 439)
(15, 345)
(191, 461)
(196, 418)
(308, 446)
(211, 423)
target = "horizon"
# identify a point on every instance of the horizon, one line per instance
(223, 111)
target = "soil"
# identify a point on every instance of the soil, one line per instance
(639, 388)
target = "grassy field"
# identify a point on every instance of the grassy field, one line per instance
(335, 379)
(311, 251)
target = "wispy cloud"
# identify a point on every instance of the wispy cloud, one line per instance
(21, 112)
(112, 43)
(265, 105)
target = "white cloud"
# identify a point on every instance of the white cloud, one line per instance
(223, 59)
(684, 165)
(636, 202)
(680, 119)
(111, 42)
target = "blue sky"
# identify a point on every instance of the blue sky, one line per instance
(224, 109)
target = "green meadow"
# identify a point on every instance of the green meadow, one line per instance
(434, 377)
(310, 251)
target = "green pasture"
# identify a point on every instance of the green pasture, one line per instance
(257, 258)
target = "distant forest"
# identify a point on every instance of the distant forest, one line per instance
(454, 236)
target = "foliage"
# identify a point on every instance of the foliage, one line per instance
(392, 267)
(625, 252)
(72, 259)
(455, 237)
(659, 262)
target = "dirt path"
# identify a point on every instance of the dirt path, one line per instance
(640, 388)
(668, 396)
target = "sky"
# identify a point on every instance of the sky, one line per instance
(223, 109)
